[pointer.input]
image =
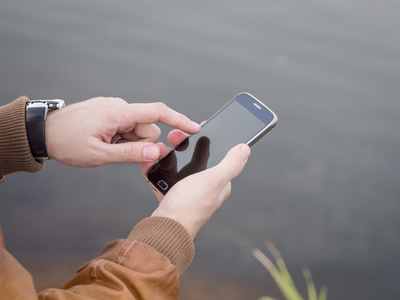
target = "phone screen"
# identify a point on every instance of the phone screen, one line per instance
(242, 120)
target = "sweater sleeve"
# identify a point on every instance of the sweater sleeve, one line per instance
(146, 265)
(15, 153)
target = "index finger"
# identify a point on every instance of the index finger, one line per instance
(159, 112)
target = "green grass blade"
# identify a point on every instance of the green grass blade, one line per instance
(287, 289)
(283, 279)
(323, 293)
(280, 262)
(312, 292)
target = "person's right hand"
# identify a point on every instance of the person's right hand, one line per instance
(107, 130)
(194, 199)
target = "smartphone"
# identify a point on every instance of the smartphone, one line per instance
(244, 119)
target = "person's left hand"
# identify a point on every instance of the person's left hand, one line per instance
(107, 130)
(194, 199)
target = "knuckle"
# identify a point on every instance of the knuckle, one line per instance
(157, 131)
(116, 100)
(160, 107)
(129, 154)
(117, 103)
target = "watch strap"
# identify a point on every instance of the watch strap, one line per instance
(36, 113)
(35, 118)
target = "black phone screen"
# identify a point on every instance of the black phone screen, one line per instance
(240, 121)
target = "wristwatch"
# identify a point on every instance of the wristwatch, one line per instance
(35, 117)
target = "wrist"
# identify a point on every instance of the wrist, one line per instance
(190, 227)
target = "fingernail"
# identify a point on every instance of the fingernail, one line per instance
(195, 124)
(244, 151)
(151, 153)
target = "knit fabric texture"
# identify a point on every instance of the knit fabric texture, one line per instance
(15, 152)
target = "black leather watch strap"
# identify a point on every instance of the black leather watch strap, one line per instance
(36, 112)
(35, 118)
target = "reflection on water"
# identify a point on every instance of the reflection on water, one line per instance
(322, 185)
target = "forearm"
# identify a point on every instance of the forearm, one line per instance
(15, 153)
(146, 265)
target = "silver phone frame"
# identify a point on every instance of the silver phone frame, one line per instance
(250, 142)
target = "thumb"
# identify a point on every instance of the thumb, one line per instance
(132, 152)
(233, 163)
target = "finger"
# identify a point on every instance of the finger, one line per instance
(144, 132)
(130, 152)
(233, 163)
(226, 191)
(164, 150)
(158, 112)
(176, 136)
(115, 139)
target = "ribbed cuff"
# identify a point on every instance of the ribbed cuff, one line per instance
(15, 153)
(168, 237)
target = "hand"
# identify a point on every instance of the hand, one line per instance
(194, 199)
(107, 130)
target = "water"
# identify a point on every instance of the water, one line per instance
(322, 186)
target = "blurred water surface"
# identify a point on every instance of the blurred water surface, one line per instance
(323, 185)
